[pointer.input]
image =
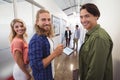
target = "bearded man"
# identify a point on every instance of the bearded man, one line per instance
(41, 53)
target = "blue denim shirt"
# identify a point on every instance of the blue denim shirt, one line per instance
(39, 48)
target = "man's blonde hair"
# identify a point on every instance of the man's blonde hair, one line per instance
(38, 29)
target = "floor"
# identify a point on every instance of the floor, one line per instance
(66, 67)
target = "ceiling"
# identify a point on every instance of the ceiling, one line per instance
(9, 1)
(70, 7)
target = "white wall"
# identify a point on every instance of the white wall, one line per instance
(52, 7)
(110, 20)
(6, 15)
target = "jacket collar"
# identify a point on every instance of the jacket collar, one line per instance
(93, 30)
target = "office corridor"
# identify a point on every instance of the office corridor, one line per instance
(65, 65)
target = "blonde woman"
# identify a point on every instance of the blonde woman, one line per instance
(19, 50)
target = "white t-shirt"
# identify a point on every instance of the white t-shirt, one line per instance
(51, 50)
(68, 34)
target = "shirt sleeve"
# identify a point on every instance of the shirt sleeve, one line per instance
(78, 33)
(17, 45)
(36, 55)
(97, 65)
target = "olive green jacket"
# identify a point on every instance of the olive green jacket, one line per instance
(95, 58)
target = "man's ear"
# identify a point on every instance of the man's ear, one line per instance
(37, 22)
(97, 17)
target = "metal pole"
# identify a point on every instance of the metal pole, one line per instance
(15, 8)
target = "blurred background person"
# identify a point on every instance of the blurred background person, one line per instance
(68, 36)
(76, 37)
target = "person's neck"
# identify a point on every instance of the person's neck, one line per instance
(92, 27)
(21, 37)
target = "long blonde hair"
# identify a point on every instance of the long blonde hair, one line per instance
(38, 29)
(13, 33)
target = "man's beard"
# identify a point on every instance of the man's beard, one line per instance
(44, 31)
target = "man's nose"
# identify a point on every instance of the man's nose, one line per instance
(47, 22)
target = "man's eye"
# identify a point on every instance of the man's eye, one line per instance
(49, 19)
(43, 19)
(81, 17)
(21, 26)
(86, 16)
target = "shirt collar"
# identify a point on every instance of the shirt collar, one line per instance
(92, 30)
